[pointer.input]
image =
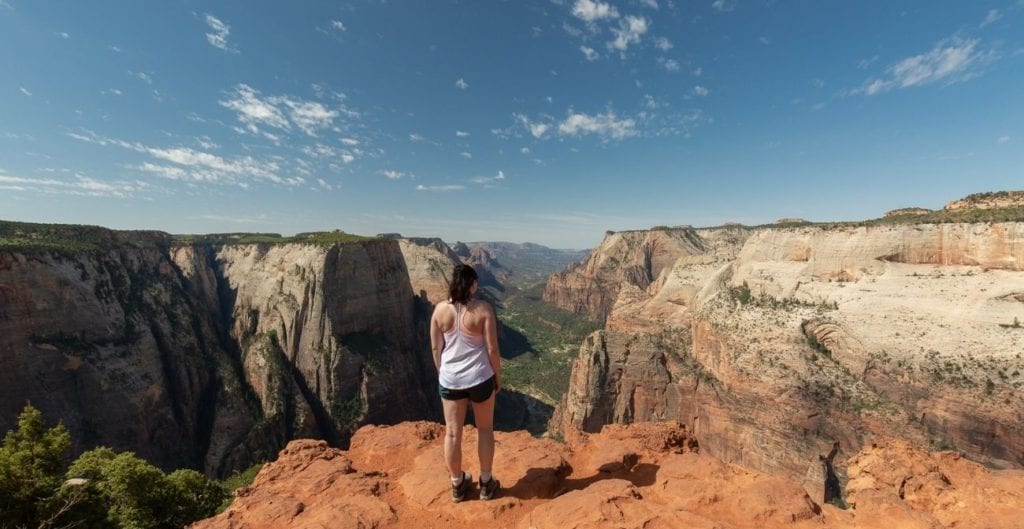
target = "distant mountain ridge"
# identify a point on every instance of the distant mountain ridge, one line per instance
(528, 262)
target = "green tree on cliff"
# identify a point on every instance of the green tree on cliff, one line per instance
(31, 469)
(101, 489)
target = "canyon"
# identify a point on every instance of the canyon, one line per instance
(772, 342)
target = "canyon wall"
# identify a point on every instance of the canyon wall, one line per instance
(213, 356)
(780, 340)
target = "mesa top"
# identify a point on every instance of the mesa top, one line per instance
(464, 360)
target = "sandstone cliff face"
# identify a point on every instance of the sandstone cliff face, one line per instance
(213, 356)
(430, 263)
(788, 338)
(637, 476)
(635, 258)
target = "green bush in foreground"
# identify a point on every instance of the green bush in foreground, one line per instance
(101, 489)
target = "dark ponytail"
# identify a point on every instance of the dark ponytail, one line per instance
(463, 277)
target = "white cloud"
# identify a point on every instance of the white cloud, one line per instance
(166, 171)
(992, 16)
(537, 128)
(142, 76)
(63, 34)
(697, 72)
(461, 134)
(24, 91)
(663, 44)
(253, 111)
(323, 184)
(1002, 139)
(700, 91)
(629, 32)
(653, 4)
(115, 49)
(466, 155)
(199, 166)
(320, 151)
(279, 112)
(112, 92)
(350, 141)
(417, 137)
(219, 37)
(391, 174)
(724, 5)
(606, 125)
(524, 150)
(951, 60)
(347, 157)
(592, 11)
(589, 53)
(461, 84)
(81, 186)
(864, 63)
(488, 180)
(440, 189)
(338, 25)
(670, 65)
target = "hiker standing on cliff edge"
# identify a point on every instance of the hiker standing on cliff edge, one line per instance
(464, 343)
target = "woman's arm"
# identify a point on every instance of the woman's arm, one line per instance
(436, 338)
(493, 353)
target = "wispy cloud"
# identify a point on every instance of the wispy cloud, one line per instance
(663, 44)
(391, 174)
(537, 128)
(63, 34)
(700, 91)
(670, 65)
(193, 165)
(724, 5)
(24, 91)
(628, 33)
(1003, 139)
(440, 189)
(992, 16)
(218, 37)
(589, 53)
(606, 125)
(338, 25)
(461, 84)
(142, 76)
(592, 11)
(280, 112)
(950, 61)
(466, 155)
(81, 186)
(488, 180)
(461, 134)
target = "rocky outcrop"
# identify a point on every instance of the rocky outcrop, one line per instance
(633, 258)
(785, 339)
(907, 211)
(996, 200)
(649, 475)
(212, 356)
(430, 263)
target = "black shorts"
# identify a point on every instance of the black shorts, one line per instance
(477, 393)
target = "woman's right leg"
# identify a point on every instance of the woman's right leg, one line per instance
(454, 418)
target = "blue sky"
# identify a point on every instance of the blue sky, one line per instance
(544, 121)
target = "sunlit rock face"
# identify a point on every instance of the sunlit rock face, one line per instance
(773, 342)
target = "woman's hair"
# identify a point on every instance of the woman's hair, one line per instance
(462, 281)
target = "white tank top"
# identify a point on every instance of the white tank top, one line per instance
(464, 360)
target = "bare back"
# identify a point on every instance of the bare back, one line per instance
(474, 316)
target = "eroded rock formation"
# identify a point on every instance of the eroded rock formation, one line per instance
(774, 342)
(213, 356)
(637, 476)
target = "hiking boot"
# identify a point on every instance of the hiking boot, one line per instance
(459, 491)
(489, 488)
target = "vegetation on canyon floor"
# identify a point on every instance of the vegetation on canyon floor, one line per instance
(539, 343)
(101, 488)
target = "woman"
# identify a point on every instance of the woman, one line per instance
(464, 342)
